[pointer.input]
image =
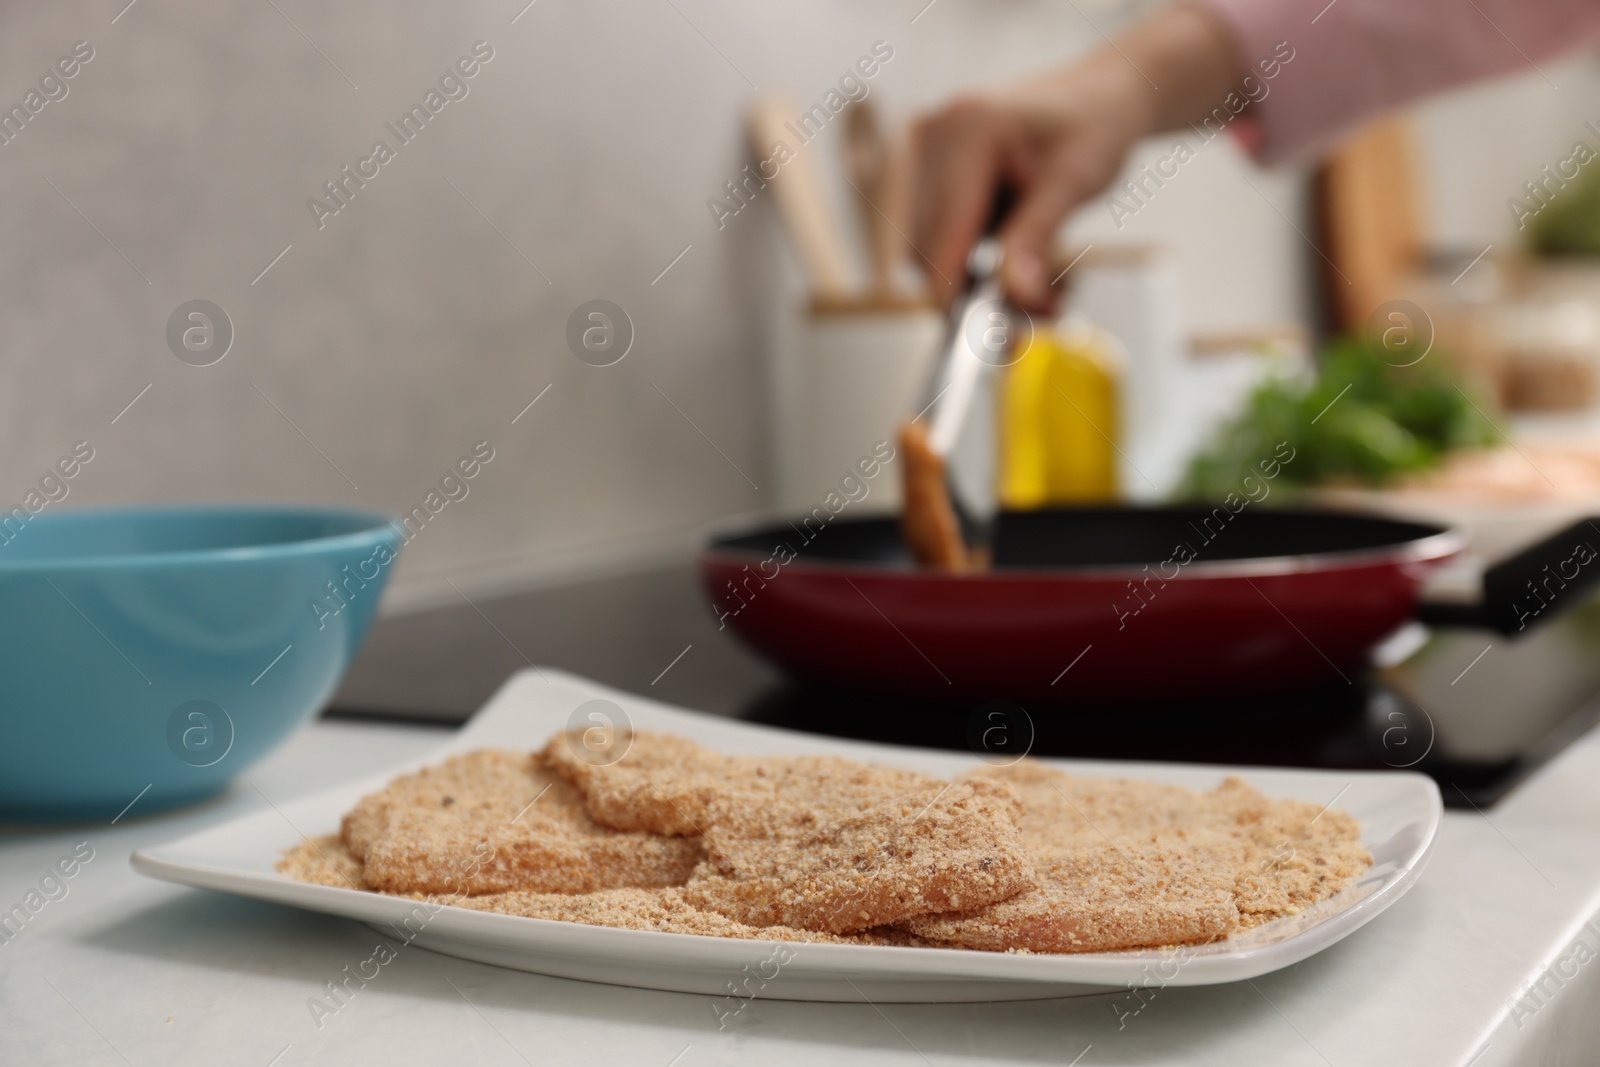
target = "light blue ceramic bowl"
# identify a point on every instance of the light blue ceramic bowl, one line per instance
(157, 652)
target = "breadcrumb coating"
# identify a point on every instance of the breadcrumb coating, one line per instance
(677, 838)
(1126, 864)
(929, 851)
(494, 820)
(669, 785)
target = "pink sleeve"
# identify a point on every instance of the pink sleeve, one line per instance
(1355, 58)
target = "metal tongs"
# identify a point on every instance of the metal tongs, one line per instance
(982, 336)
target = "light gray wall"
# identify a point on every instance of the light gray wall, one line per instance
(1481, 143)
(409, 327)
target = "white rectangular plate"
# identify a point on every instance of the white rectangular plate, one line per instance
(1399, 813)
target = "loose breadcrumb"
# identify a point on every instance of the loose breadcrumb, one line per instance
(327, 861)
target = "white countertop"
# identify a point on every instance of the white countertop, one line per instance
(124, 970)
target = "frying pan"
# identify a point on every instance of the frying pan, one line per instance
(1125, 604)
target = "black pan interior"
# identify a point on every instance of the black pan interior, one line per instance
(1103, 536)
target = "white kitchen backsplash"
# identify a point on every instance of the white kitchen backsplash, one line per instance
(400, 216)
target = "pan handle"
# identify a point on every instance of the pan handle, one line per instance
(1537, 584)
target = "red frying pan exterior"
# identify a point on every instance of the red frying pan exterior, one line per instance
(1067, 635)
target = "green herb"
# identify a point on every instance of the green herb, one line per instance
(1569, 225)
(1362, 420)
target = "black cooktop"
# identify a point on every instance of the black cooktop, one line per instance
(1367, 725)
(1476, 711)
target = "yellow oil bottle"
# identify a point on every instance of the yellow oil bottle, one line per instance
(1058, 410)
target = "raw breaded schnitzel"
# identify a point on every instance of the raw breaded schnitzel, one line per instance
(663, 834)
(494, 820)
(928, 851)
(1134, 864)
(669, 785)
(818, 842)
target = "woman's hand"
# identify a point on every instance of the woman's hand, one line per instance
(1055, 141)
